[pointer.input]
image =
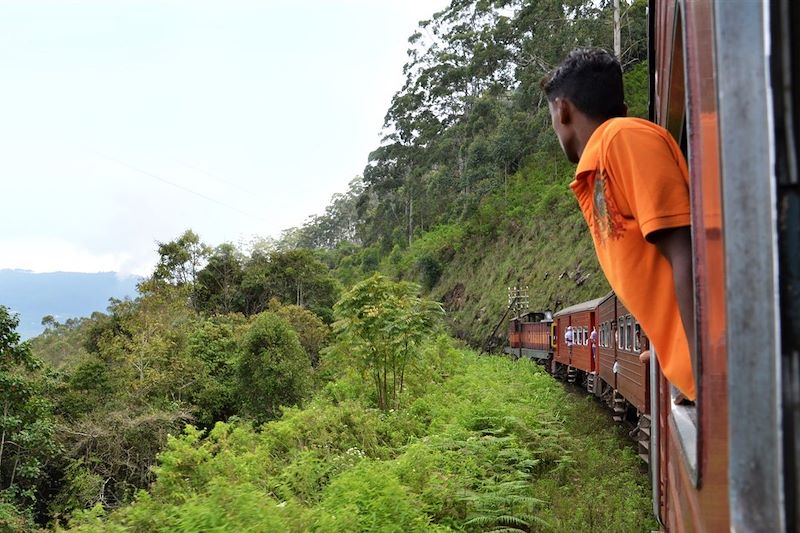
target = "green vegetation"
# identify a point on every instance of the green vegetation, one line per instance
(478, 445)
(236, 393)
(381, 326)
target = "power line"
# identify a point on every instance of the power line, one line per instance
(217, 178)
(177, 186)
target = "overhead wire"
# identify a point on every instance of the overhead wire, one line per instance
(177, 185)
(217, 178)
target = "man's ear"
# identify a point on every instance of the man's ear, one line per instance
(564, 110)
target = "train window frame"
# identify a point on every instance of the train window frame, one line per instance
(684, 417)
(629, 333)
(603, 335)
(620, 333)
(637, 336)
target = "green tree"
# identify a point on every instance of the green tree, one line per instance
(181, 259)
(26, 422)
(311, 331)
(219, 282)
(274, 370)
(382, 324)
(215, 344)
(293, 277)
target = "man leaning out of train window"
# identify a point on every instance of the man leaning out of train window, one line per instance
(632, 186)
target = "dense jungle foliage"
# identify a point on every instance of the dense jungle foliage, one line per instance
(304, 383)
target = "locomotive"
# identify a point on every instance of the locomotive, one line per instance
(723, 82)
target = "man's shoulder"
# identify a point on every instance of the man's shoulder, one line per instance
(631, 126)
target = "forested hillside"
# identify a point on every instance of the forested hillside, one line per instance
(468, 193)
(304, 383)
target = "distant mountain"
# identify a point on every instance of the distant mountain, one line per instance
(61, 294)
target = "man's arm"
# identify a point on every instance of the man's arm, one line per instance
(676, 246)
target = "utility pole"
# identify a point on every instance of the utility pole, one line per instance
(518, 300)
(617, 32)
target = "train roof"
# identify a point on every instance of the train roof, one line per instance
(585, 306)
(535, 316)
(607, 297)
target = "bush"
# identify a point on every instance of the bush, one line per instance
(312, 332)
(382, 324)
(369, 498)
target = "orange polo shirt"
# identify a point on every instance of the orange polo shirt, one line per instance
(632, 180)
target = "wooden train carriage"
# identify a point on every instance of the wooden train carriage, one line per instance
(722, 76)
(632, 379)
(620, 341)
(606, 347)
(582, 319)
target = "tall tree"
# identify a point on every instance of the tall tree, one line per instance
(219, 282)
(26, 422)
(181, 259)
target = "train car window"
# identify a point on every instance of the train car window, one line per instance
(628, 332)
(785, 22)
(637, 337)
(620, 333)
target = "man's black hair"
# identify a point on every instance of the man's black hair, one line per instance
(590, 78)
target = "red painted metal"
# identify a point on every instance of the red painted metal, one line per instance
(514, 333)
(535, 335)
(582, 319)
(606, 316)
(703, 507)
(632, 374)
(562, 351)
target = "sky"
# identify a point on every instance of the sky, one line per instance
(124, 123)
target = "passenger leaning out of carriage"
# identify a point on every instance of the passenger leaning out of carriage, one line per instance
(632, 186)
(568, 336)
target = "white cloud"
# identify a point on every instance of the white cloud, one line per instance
(49, 255)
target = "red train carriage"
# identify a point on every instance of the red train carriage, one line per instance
(620, 342)
(723, 75)
(575, 356)
(530, 336)
(722, 78)
(632, 374)
(606, 345)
